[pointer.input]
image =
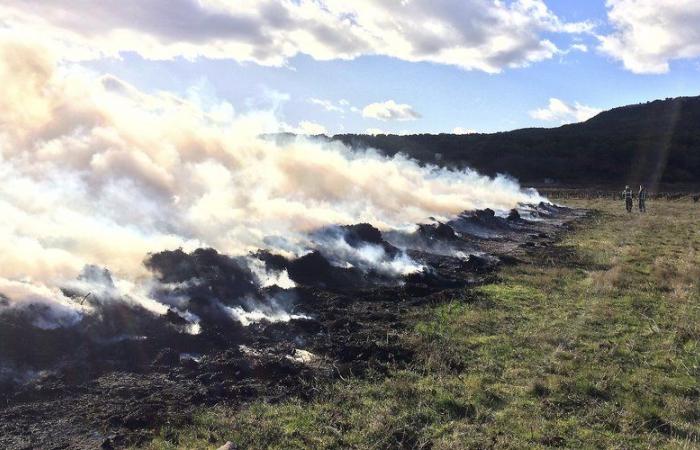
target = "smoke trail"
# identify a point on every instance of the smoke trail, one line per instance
(97, 172)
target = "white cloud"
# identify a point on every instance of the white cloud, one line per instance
(559, 111)
(648, 34)
(390, 110)
(376, 131)
(328, 105)
(485, 35)
(306, 127)
(311, 128)
(461, 130)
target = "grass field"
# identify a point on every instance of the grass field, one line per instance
(595, 344)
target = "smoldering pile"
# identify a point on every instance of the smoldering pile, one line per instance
(228, 328)
(204, 300)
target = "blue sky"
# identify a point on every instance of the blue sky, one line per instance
(584, 74)
(446, 97)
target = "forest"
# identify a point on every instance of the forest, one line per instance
(651, 143)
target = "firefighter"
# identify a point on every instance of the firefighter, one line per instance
(642, 199)
(627, 195)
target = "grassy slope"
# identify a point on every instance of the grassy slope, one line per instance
(595, 345)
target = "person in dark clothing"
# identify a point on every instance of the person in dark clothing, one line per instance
(642, 199)
(627, 195)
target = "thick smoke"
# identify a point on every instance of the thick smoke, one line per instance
(97, 172)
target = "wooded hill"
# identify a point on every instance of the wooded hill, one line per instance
(652, 143)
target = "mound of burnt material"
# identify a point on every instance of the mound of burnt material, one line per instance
(24, 344)
(550, 209)
(482, 263)
(514, 215)
(313, 269)
(215, 292)
(273, 262)
(347, 257)
(545, 211)
(449, 272)
(113, 335)
(363, 234)
(219, 275)
(481, 223)
(436, 239)
(437, 232)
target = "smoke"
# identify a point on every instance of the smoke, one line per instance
(97, 172)
(48, 307)
(363, 247)
(272, 312)
(267, 278)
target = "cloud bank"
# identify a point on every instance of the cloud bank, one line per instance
(462, 130)
(306, 127)
(559, 111)
(328, 105)
(648, 34)
(389, 111)
(481, 35)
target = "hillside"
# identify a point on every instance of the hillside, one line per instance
(654, 142)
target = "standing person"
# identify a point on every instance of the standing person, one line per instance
(627, 195)
(642, 199)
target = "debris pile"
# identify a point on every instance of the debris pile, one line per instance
(217, 334)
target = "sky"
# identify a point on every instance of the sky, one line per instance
(371, 66)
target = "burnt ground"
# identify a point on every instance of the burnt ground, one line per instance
(122, 374)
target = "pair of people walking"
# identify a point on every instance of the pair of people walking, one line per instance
(641, 198)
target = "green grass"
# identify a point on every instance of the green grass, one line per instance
(596, 348)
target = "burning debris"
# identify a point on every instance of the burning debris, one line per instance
(221, 334)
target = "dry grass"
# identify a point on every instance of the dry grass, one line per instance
(605, 281)
(678, 274)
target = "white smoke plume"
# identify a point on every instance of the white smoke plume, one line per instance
(273, 312)
(97, 172)
(365, 257)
